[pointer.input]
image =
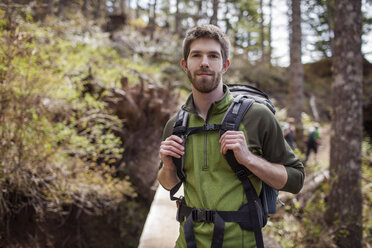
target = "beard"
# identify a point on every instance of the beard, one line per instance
(205, 85)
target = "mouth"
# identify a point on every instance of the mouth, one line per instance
(204, 74)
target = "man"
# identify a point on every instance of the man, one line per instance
(313, 142)
(290, 133)
(210, 182)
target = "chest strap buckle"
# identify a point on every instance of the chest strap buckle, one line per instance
(203, 215)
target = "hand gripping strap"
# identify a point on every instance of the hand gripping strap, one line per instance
(179, 129)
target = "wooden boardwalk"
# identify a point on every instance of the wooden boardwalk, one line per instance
(161, 227)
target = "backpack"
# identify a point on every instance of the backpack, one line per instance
(251, 216)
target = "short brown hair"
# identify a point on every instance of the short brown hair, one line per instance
(207, 31)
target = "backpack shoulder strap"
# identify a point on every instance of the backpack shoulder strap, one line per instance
(235, 114)
(179, 129)
(231, 121)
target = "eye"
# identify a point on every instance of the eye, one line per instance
(195, 55)
(214, 56)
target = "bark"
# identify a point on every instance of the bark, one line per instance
(137, 9)
(61, 7)
(123, 4)
(344, 209)
(330, 21)
(214, 17)
(198, 14)
(177, 19)
(98, 9)
(296, 71)
(50, 7)
(269, 31)
(262, 33)
(84, 8)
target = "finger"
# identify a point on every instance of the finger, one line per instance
(233, 147)
(231, 134)
(174, 147)
(175, 138)
(231, 139)
(170, 152)
(173, 143)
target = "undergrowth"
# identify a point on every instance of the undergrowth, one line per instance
(59, 155)
(304, 226)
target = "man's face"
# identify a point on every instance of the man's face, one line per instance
(204, 66)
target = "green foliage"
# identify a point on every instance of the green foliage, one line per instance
(297, 226)
(367, 189)
(57, 144)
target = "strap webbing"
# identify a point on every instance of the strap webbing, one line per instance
(231, 121)
(218, 231)
(188, 230)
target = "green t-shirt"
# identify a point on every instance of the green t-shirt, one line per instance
(210, 182)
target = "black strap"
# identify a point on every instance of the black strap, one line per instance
(231, 121)
(188, 230)
(198, 215)
(218, 231)
(180, 129)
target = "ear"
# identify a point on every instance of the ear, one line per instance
(184, 65)
(225, 66)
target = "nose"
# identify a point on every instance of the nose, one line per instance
(204, 62)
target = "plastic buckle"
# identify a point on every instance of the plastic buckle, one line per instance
(203, 215)
(180, 201)
(209, 127)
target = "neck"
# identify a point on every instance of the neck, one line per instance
(203, 101)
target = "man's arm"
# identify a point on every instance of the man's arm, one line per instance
(170, 147)
(273, 174)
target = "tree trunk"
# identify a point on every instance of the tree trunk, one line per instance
(330, 21)
(198, 14)
(61, 7)
(137, 9)
(344, 208)
(269, 52)
(296, 72)
(50, 7)
(98, 9)
(262, 32)
(214, 17)
(123, 4)
(84, 8)
(177, 19)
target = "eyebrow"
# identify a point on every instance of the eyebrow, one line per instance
(209, 52)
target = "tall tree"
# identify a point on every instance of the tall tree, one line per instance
(84, 8)
(269, 52)
(98, 9)
(123, 6)
(214, 17)
(199, 12)
(262, 32)
(319, 17)
(50, 7)
(296, 71)
(177, 19)
(344, 208)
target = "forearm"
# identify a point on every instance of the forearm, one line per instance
(272, 174)
(167, 177)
